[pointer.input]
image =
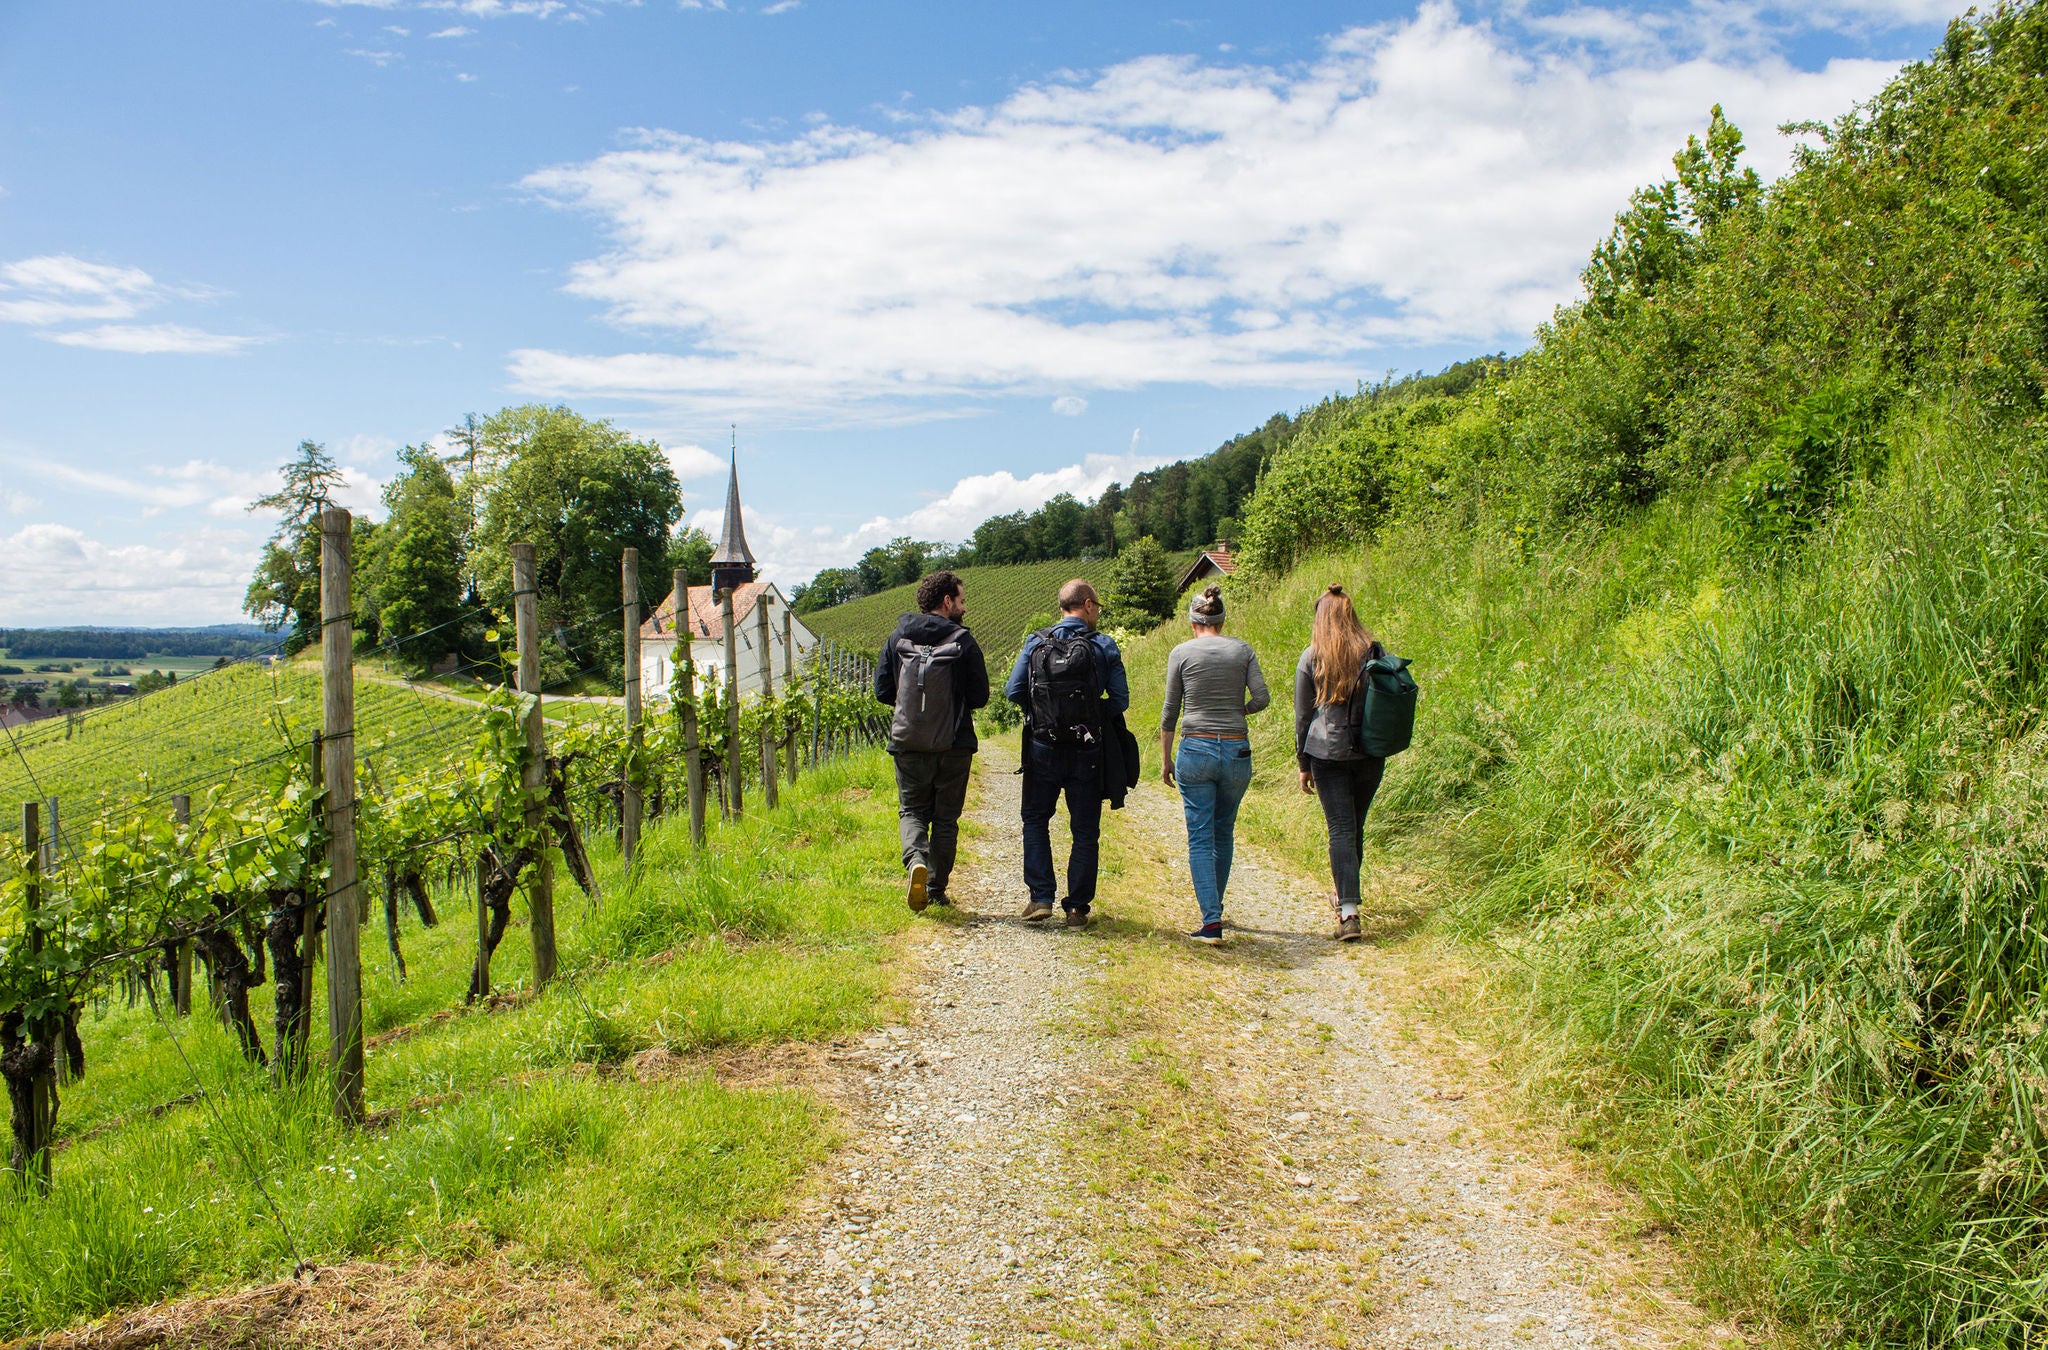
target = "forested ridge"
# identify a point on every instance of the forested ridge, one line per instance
(1727, 597)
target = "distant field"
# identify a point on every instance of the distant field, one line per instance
(1001, 603)
(223, 726)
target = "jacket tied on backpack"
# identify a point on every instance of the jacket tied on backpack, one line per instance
(932, 673)
(1068, 639)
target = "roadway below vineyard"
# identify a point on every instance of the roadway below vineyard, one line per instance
(1004, 1182)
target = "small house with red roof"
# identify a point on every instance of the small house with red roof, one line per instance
(697, 622)
(1216, 561)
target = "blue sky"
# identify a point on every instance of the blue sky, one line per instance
(935, 260)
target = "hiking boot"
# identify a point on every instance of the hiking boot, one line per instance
(1210, 933)
(1077, 918)
(1348, 930)
(938, 899)
(916, 894)
(1038, 911)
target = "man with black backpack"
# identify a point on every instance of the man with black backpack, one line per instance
(1069, 679)
(932, 672)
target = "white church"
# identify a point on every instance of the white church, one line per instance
(732, 568)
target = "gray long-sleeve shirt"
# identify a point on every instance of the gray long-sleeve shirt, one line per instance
(1218, 682)
(1324, 731)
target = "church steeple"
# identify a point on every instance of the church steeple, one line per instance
(732, 566)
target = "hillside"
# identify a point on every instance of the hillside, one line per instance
(1726, 600)
(1002, 604)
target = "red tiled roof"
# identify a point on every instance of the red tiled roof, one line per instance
(702, 612)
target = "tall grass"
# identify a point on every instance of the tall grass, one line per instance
(1771, 848)
(521, 1125)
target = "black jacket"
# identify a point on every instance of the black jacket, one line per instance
(970, 675)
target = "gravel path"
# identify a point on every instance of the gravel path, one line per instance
(948, 1219)
(938, 1220)
(1476, 1239)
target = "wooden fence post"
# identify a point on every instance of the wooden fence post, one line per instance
(540, 888)
(734, 797)
(344, 890)
(31, 1155)
(770, 743)
(181, 997)
(483, 928)
(693, 748)
(791, 741)
(629, 796)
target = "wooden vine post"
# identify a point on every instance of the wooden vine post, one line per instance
(686, 679)
(795, 734)
(482, 979)
(181, 997)
(629, 796)
(540, 886)
(31, 1155)
(344, 888)
(733, 795)
(770, 745)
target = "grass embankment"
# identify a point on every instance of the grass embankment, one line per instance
(1758, 858)
(1002, 602)
(588, 1128)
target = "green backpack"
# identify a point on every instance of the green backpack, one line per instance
(1386, 715)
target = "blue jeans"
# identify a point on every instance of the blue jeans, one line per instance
(1049, 771)
(1212, 776)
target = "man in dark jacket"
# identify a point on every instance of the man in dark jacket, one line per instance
(931, 786)
(1071, 765)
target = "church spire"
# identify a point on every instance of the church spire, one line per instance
(732, 566)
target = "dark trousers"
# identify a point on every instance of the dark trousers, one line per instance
(1346, 787)
(931, 791)
(1049, 771)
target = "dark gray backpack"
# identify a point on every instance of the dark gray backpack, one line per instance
(927, 716)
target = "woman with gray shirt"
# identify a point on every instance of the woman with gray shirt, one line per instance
(1329, 683)
(1217, 681)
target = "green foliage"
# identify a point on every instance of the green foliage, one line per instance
(286, 586)
(1141, 586)
(416, 583)
(581, 492)
(1905, 256)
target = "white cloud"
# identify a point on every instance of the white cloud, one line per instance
(783, 6)
(398, 31)
(56, 289)
(1070, 405)
(464, 77)
(693, 461)
(377, 57)
(789, 554)
(53, 573)
(1425, 181)
(153, 338)
(459, 30)
(195, 485)
(17, 503)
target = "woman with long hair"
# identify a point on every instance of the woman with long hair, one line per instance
(1329, 687)
(1217, 681)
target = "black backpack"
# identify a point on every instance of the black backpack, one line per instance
(927, 717)
(1063, 687)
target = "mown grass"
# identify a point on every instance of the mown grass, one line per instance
(1002, 603)
(521, 1126)
(1768, 846)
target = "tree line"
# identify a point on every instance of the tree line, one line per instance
(429, 576)
(1188, 504)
